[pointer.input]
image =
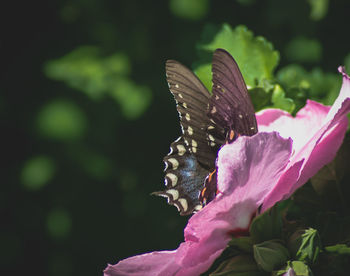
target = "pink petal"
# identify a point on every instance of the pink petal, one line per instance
(247, 170)
(317, 132)
(290, 272)
(155, 263)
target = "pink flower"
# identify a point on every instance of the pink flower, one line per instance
(317, 132)
(247, 170)
(253, 171)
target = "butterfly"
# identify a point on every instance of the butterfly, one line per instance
(208, 121)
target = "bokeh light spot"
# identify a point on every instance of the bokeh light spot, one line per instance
(61, 120)
(37, 172)
(96, 165)
(319, 9)
(133, 98)
(302, 49)
(86, 70)
(59, 223)
(128, 181)
(190, 9)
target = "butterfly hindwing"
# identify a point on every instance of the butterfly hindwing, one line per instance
(184, 178)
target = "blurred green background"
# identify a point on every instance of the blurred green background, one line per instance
(86, 116)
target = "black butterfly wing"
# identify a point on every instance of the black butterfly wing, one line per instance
(207, 122)
(230, 106)
(191, 157)
(192, 100)
(184, 178)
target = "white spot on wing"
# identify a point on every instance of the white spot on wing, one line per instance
(188, 117)
(194, 146)
(211, 127)
(190, 130)
(173, 178)
(213, 110)
(180, 96)
(240, 116)
(176, 85)
(184, 105)
(211, 138)
(181, 149)
(174, 163)
(183, 203)
(194, 143)
(174, 193)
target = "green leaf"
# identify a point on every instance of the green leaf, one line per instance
(255, 55)
(270, 255)
(244, 244)
(267, 226)
(280, 101)
(237, 266)
(203, 72)
(340, 249)
(299, 269)
(260, 98)
(316, 85)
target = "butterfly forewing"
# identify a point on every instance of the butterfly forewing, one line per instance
(192, 100)
(230, 108)
(230, 105)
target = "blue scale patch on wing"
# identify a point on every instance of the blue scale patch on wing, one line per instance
(184, 178)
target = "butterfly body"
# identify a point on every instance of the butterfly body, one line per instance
(208, 122)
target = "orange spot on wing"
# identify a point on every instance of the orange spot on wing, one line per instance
(232, 134)
(203, 191)
(211, 175)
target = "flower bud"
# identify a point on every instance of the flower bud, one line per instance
(305, 245)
